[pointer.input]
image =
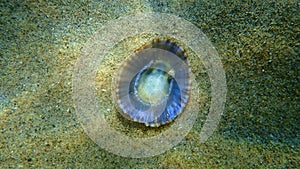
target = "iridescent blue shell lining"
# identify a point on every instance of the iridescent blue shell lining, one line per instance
(161, 61)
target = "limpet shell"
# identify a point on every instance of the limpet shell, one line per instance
(152, 86)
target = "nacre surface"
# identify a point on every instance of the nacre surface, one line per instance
(152, 86)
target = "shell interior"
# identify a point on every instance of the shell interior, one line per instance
(152, 86)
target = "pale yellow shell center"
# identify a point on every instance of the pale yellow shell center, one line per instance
(153, 86)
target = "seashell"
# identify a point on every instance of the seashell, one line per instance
(152, 86)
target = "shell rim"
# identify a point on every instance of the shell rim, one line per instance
(116, 79)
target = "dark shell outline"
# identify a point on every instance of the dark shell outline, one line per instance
(169, 45)
(172, 45)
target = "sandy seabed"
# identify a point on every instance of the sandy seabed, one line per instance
(258, 44)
